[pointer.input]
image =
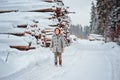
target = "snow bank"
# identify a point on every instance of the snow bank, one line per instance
(93, 37)
(114, 57)
(18, 60)
(73, 38)
(12, 40)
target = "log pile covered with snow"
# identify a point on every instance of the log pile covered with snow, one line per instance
(25, 26)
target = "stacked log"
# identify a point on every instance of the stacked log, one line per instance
(23, 48)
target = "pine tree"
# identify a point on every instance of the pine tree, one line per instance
(94, 19)
(109, 18)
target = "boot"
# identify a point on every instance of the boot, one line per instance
(60, 62)
(55, 63)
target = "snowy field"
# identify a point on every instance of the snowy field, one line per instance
(83, 60)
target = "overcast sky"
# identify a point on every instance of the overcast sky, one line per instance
(82, 9)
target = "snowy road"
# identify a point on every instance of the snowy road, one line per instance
(83, 60)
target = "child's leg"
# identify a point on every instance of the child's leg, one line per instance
(55, 58)
(60, 59)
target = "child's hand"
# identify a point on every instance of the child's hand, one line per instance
(62, 49)
(51, 49)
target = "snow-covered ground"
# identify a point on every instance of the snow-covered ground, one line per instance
(83, 60)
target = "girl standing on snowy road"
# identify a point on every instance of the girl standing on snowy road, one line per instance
(57, 46)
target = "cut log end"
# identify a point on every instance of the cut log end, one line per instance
(23, 48)
(22, 26)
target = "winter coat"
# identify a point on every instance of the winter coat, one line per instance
(57, 43)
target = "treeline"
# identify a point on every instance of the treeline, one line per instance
(105, 19)
(79, 31)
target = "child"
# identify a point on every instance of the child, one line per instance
(57, 46)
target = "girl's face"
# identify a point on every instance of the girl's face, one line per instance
(57, 31)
